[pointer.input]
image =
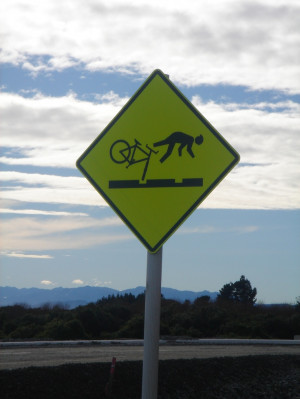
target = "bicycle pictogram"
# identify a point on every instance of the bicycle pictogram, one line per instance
(121, 152)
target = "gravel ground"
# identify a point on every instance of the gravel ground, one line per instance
(19, 357)
(265, 376)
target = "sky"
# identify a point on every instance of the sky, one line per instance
(68, 67)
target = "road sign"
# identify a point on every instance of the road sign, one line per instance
(157, 160)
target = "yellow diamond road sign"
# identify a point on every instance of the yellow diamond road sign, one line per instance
(157, 160)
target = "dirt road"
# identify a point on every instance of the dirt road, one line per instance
(20, 357)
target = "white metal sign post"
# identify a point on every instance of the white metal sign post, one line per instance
(154, 164)
(152, 325)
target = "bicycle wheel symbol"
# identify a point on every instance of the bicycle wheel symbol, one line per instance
(120, 151)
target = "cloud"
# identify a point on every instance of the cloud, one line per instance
(43, 234)
(29, 256)
(95, 282)
(46, 188)
(51, 131)
(112, 98)
(269, 173)
(261, 136)
(215, 229)
(239, 43)
(265, 134)
(38, 212)
(77, 282)
(47, 282)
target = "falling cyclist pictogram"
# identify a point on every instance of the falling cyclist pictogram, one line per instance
(122, 152)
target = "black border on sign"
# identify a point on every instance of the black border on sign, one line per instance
(200, 199)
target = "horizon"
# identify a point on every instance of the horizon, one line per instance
(93, 286)
(213, 298)
(65, 74)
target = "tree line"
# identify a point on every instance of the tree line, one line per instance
(234, 314)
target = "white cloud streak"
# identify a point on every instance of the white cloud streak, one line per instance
(37, 234)
(265, 134)
(236, 42)
(51, 131)
(269, 143)
(26, 256)
(38, 212)
(215, 229)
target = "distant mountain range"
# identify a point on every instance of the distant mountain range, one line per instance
(73, 297)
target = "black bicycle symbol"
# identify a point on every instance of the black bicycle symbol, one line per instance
(121, 152)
